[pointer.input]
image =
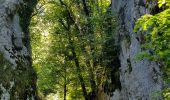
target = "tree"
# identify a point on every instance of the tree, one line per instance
(79, 40)
(17, 79)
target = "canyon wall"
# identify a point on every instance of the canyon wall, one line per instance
(17, 77)
(140, 79)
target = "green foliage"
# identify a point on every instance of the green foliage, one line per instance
(25, 13)
(166, 94)
(163, 2)
(158, 38)
(62, 29)
(155, 29)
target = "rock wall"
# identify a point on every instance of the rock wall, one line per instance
(17, 77)
(140, 79)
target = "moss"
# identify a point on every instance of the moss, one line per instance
(23, 78)
(5, 70)
(25, 74)
(129, 65)
(127, 40)
(3, 61)
(25, 13)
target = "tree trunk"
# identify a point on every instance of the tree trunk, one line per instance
(65, 80)
(17, 77)
(90, 63)
(65, 91)
(78, 69)
(82, 82)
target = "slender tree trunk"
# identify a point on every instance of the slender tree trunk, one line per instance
(65, 91)
(82, 83)
(17, 77)
(65, 82)
(91, 79)
(90, 32)
(78, 68)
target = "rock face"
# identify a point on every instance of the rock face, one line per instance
(17, 77)
(140, 80)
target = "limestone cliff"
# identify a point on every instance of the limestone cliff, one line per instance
(17, 78)
(140, 80)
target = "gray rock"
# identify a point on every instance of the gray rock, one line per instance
(140, 80)
(17, 78)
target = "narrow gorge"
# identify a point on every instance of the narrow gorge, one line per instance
(84, 49)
